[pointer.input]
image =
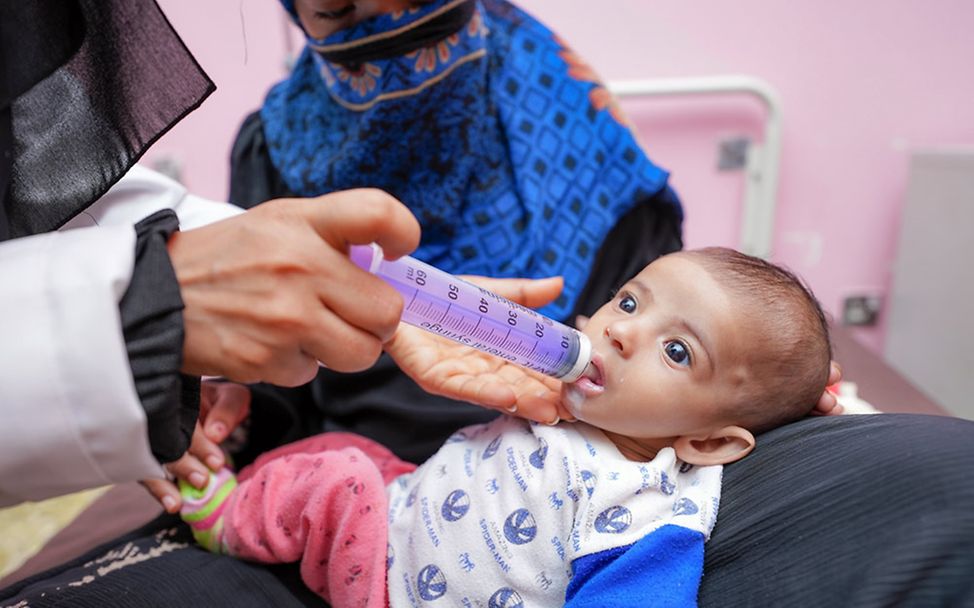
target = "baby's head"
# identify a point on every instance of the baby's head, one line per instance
(701, 351)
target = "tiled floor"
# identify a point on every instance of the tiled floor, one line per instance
(26, 527)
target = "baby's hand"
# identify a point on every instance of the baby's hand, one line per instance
(827, 404)
(223, 406)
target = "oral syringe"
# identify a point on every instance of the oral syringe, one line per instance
(447, 306)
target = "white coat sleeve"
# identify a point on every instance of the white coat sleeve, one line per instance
(142, 192)
(71, 418)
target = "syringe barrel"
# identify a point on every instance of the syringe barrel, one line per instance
(447, 306)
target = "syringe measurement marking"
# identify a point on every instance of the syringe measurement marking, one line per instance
(457, 323)
(413, 299)
(489, 335)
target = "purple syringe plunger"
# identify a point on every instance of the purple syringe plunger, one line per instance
(447, 306)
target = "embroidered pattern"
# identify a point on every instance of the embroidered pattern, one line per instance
(499, 139)
(599, 96)
(361, 78)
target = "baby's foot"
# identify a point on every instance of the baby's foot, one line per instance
(203, 509)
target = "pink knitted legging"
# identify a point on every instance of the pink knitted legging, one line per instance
(322, 501)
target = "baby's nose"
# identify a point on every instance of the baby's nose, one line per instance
(614, 335)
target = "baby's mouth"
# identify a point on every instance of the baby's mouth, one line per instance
(592, 380)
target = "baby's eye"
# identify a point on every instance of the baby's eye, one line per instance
(677, 352)
(627, 304)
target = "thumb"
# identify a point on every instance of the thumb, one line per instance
(532, 293)
(364, 216)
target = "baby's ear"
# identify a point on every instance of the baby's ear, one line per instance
(722, 446)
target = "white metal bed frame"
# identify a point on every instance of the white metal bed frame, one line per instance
(763, 159)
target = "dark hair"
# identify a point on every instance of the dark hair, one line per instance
(794, 369)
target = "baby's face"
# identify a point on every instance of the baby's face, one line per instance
(670, 349)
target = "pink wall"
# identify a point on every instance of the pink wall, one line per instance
(861, 83)
(240, 44)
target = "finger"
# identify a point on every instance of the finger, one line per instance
(828, 405)
(190, 469)
(206, 451)
(580, 322)
(532, 293)
(564, 413)
(209, 393)
(486, 392)
(835, 373)
(340, 346)
(825, 403)
(471, 380)
(165, 492)
(538, 406)
(262, 358)
(361, 299)
(364, 216)
(537, 396)
(300, 369)
(229, 406)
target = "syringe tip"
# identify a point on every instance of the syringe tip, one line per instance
(590, 370)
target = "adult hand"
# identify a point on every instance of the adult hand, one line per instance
(828, 404)
(452, 370)
(271, 292)
(223, 406)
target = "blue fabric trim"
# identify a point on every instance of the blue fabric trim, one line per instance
(361, 87)
(663, 569)
(500, 139)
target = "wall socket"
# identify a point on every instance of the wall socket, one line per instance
(861, 310)
(732, 153)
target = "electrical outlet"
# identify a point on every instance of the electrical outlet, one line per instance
(861, 310)
(732, 153)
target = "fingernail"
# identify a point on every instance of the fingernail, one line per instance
(168, 503)
(214, 462)
(512, 409)
(197, 479)
(217, 429)
(554, 422)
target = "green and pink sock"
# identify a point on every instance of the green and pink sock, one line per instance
(203, 508)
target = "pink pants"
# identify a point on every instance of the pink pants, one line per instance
(321, 501)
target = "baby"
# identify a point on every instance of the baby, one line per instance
(697, 354)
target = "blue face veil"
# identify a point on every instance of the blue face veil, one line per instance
(502, 142)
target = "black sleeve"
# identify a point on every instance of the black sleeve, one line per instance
(152, 323)
(253, 177)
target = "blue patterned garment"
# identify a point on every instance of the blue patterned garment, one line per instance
(502, 142)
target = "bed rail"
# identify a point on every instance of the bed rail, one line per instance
(763, 159)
